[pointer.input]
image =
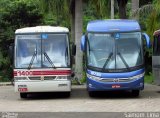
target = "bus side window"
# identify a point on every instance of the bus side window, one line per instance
(156, 46)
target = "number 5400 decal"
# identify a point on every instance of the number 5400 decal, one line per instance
(24, 73)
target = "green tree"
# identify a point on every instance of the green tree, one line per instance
(150, 14)
(58, 9)
(15, 14)
(122, 8)
(101, 8)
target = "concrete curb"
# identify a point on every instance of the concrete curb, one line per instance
(6, 83)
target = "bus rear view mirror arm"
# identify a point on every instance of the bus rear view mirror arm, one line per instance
(83, 40)
(147, 39)
(73, 49)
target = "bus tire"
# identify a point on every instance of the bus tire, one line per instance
(23, 95)
(91, 94)
(135, 93)
(67, 94)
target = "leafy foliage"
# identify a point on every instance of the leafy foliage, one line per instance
(57, 10)
(149, 15)
(15, 14)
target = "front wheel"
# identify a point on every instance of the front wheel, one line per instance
(23, 95)
(135, 93)
(91, 94)
(67, 94)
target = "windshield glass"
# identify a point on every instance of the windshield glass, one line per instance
(42, 51)
(55, 51)
(28, 47)
(107, 51)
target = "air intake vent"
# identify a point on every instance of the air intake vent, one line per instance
(45, 78)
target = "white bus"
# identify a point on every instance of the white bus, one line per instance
(42, 61)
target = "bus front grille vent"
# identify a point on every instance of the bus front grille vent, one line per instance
(116, 80)
(45, 78)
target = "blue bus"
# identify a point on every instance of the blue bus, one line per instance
(114, 54)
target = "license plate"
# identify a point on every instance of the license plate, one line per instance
(22, 89)
(116, 86)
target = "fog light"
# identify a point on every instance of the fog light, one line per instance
(141, 84)
(90, 85)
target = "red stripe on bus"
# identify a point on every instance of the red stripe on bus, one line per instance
(48, 72)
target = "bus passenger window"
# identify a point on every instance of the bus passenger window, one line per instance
(156, 45)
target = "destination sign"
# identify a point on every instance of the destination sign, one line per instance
(28, 37)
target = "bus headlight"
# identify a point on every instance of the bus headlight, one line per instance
(93, 77)
(137, 76)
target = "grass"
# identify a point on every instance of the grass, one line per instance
(4, 77)
(149, 78)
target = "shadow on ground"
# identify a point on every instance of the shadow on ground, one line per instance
(81, 93)
(102, 94)
(47, 95)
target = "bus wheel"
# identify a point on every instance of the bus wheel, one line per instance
(67, 94)
(23, 95)
(91, 94)
(135, 93)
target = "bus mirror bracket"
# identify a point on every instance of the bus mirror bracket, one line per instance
(83, 43)
(147, 39)
(73, 49)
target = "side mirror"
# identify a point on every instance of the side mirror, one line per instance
(73, 49)
(83, 40)
(147, 39)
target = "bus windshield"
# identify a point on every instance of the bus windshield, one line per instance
(42, 51)
(106, 51)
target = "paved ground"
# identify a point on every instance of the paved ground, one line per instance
(79, 101)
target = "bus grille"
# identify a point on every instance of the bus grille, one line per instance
(116, 80)
(45, 78)
(34, 78)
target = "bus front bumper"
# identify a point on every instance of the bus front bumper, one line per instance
(93, 85)
(42, 86)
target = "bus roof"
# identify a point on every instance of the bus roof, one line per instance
(41, 29)
(157, 32)
(113, 25)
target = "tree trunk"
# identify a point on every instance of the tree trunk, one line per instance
(72, 10)
(73, 29)
(135, 5)
(112, 9)
(122, 8)
(78, 34)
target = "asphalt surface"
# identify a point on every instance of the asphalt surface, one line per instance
(80, 102)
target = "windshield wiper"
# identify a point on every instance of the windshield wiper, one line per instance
(107, 60)
(33, 57)
(123, 60)
(49, 60)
